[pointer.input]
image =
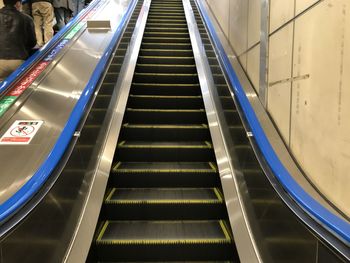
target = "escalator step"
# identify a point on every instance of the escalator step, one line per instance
(142, 132)
(138, 151)
(165, 78)
(164, 174)
(166, 68)
(166, 89)
(164, 204)
(165, 39)
(164, 240)
(169, 60)
(165, 102)
(166, 52)
(161, 116)
(159, 45)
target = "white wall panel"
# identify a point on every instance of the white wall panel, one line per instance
(280, 70)
(243, 60)
(253, 66)
(280, 12)
(254, 22)
(238, 25)
(221, 10)
(320, 131)
(301, 5)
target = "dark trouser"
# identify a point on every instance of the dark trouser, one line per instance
(63, 16)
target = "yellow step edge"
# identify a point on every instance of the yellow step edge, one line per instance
(164, 146)
(165, 84)
(111, 194)
(164, 97)
(218, 195)
(162, 110)
(167, 50)
(163, 170)
(103, 230)
(165, 57)
(175, 38)
(225, 231)
(163, 201)
(144, 126)
(167, 65)
(213, 166)
(166, 74)
(164, 242)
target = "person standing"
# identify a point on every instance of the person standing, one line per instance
(63, 12)
(42, 12)
(17, 37)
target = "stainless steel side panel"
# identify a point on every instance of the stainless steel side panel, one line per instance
(52, 99)
(244, 239)
(85, 229)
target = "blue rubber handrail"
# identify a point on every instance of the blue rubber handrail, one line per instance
(31, 187)
(37, 56)
(337, 225)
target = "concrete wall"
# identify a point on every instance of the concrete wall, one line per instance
(308, 80)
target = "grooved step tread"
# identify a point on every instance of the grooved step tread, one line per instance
(165, 167)
(164, 196)
(164, 232)
(164, 110)
(164, 126)
(165, 145)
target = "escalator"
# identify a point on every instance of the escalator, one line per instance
(164, 200)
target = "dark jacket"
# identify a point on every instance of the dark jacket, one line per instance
(17, 35)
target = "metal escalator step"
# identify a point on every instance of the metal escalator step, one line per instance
(165, 102)
(89, 133)
(165, 21)
(161, 116)
(166, 89)
(166, 12)
(246, 156)
(160, 45)
(164, 240)
(255, 178)
(167, 17)
(96, 116)
(102, 101)
(142, 132)
(106, 88)
(232, 117)
(177, 78)
(164, 174)
(166, 52)
(164, 204)
(165, 39)
(238, 134)
(165, 60)
(144, 151)
(111, 77)
(227, 102)
(168, 25)
(166, 29)
(166, 68)
(165, 167)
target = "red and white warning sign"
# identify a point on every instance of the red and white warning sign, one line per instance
(21, 132)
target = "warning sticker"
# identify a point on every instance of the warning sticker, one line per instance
(21, 132)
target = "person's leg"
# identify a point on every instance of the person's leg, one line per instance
(47, 12)
(8, 66)
(67, 16)
(38, 23)
(59, 13)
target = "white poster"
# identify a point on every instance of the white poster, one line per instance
(21, 132)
